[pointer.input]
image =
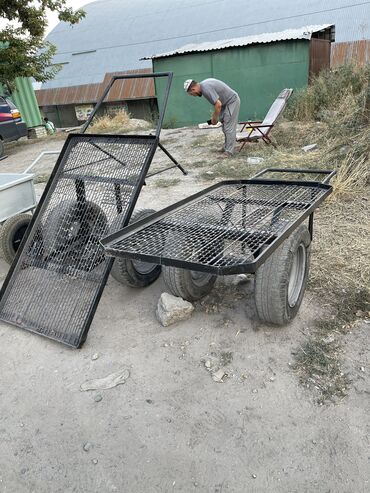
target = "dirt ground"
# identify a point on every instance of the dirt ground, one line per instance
(170, 427)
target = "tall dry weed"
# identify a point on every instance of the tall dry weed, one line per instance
(353, 174)
(327, 90)
(111, 124)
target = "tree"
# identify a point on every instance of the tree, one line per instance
(23, 52)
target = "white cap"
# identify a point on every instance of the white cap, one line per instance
(187, 84)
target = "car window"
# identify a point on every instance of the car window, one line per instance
(11, 104)
(2, 100)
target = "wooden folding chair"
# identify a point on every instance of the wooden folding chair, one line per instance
(254, 131)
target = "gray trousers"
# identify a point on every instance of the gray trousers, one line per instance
(229, 119)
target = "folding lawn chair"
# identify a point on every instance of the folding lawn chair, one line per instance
(254, 131)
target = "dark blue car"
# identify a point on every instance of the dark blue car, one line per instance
(11, 125)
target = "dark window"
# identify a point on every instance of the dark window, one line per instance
(11, 104)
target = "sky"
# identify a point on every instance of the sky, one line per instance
(53, 17)
(53, 21)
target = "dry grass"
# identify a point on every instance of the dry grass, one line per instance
(341, 245)
(121, 122)
(352, 175)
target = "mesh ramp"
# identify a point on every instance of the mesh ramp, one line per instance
(58, 276)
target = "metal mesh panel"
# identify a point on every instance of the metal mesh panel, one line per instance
(54, 287)
(225, 228)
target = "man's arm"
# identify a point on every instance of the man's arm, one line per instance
(217, 111)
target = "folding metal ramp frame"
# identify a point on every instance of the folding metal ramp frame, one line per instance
(57, 278)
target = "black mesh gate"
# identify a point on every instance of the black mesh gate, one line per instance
(56, 280)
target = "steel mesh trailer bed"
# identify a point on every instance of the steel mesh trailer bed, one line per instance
(57, 278)
(232, 227)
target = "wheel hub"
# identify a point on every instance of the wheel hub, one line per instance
(143, 267)
(296, 276)
(200, 278)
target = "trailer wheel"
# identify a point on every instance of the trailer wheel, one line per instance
(11, 235)
(187, 284)
(280, 281)
(134, 273)
(74, 227)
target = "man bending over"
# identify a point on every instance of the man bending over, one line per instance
(226, 104)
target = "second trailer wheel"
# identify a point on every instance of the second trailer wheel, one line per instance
(187, 284)
(280, 282)
(135, 273)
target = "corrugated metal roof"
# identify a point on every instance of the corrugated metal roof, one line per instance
(305, 32)
(90, 93)
(116, 34)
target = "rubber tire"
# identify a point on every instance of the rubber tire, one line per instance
(2, 147)
(124, 270)
(54, 236)
(180, 282)
(272, 280)
(11, 235)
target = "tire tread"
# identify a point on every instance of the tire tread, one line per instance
(271, 280)
(7, 232)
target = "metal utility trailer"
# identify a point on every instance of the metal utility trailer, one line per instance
(57, 278)
(17, 197)
(238, 226)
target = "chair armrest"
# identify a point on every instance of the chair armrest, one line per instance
(244, 123)
(249, 125)
(263, 126)
(255, 126)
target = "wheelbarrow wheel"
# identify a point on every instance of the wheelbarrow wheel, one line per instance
(134, 273)
(187, 284)
(11, 235)
(280, 281)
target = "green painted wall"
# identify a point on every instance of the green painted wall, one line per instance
(258, 73)
(25, 100)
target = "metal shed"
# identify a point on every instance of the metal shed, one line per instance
(62, 104)
(257, 67)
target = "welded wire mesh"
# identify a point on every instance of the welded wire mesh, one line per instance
(62, 266)
(226, 227)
